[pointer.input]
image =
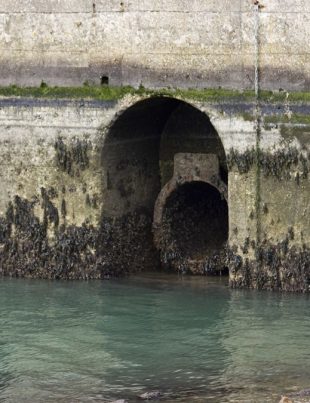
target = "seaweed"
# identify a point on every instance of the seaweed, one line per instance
(281, 266)
(63, 208)
(63, 156)
(118, 247)
(75, 155)
(243, 161)
(50, 212)
(280, 164)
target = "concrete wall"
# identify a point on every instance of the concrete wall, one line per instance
(199, 43)
(76, 197)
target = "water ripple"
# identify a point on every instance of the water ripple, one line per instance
(194, 339)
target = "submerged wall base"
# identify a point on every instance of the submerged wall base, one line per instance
(277, 267)
(79, 180)
(27, 249)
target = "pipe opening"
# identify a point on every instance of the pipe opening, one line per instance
(194, 228)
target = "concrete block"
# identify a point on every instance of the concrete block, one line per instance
(153, 33)
(185, 6)
(46, 32)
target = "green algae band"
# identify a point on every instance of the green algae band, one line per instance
(114, 93)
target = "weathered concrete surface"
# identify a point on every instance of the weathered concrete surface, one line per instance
(79, 180)
(190, 213)
(178, 43)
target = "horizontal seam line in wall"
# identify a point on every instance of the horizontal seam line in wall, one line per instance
(44, 12)
(203, 11)
(98, 12)
(44, 105)
(218, 54)
(48, 127)
(292, 125)
(128, 141)
(164, 54)
(209, 53)
(75, 52)
(43, 166)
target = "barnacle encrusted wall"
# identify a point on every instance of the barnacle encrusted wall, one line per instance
(79, 181)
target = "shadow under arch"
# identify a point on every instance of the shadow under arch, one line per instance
(137, 161)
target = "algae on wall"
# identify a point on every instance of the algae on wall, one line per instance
(56, 173)
(278, 258)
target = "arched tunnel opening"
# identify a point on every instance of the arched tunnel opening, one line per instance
(138, 161)
(194, 229)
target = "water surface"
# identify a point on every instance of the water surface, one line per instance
(193, 338)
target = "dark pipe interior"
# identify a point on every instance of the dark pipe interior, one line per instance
(196, 220)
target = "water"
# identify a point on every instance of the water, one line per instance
(192, 338)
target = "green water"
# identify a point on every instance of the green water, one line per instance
(192, 338)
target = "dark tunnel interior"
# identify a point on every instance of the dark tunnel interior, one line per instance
(138, 157)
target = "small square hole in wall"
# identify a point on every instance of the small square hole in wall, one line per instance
(104, 80)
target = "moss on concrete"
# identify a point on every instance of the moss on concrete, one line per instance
(115, 93)
(44, 248)
(85, 92)
(242, 161)
(248, 117)
(282, 266)
(295, 118)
